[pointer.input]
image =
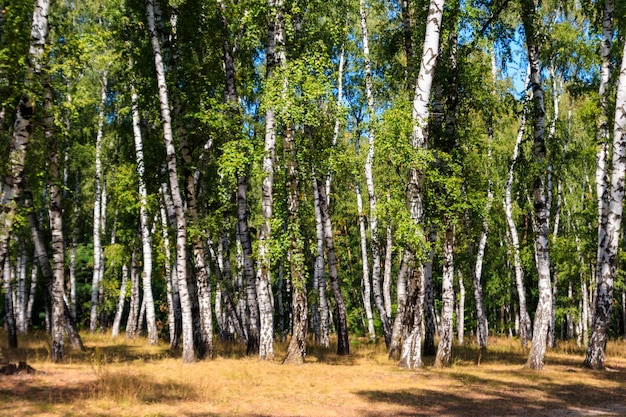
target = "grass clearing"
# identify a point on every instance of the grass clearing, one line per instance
(129, 378)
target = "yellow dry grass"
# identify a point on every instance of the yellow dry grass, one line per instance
(128, 378)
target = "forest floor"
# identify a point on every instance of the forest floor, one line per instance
(128, 378)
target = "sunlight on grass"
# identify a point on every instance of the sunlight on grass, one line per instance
(128, 377)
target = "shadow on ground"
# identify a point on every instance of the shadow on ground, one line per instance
(528, 393)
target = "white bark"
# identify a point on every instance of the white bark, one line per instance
(133, 313)
(22, 129)
(524, 327)
(322, 330)
(540, 201)
(96, 281)
(602, 130)
(482, 331)
(410, 356)
(336, 129)
(275, 58)
(444, 350)
(365, 280)
(426, 75)
(369, 181)
(146, 244)
(115, 329)
(387, 269)
(189, 354)
(460, 310)
(55, 209)
(604, 300)
(173, 302)
(250, 305)
(32, 292)
(401, 294)
(72, 269)
(21, 295)
(9, 310)
(343, 342)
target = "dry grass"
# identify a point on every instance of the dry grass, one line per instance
(128, 378)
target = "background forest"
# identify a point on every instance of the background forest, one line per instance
(406, 171)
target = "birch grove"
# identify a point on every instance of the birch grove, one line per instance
(243, 176)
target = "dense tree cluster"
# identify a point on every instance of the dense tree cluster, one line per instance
(261, 170)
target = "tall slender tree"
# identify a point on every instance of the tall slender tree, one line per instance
(542, 214)
(612, 226)
(369, 180)
(410, 356)
(189, 354)
(98, 211)
(146, 244)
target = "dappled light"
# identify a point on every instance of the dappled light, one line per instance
(120, 378)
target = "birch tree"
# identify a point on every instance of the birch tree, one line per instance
(13, 182)
(410, 356)
(542, 214)
(369, 180)
(189, 354)
(97, 214)
(524, 326)
(146, 244)
(611, 227)
(275, 59)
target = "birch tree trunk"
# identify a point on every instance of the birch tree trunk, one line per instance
(401, 294)
(252, 306)
(72, 269)
(460, 310)
(146, 245)
(41, 256)
(427, 298)
(508, 210)
(202, 292)
(58, 318)
(22, 129)
(341, 315)
(556, 98)
(365, 280)
(411, 345)
(20, 296)
(296, 351)
(244, 238)
(410, 356)
(233, 318)
(174, 313)
(9, 308)
(32, 292)
(602, 132)
(482, 331)
(320, 278)
(444, 350)
(369, 181)
(115, 329)
(96, 281)
(133, 313)
(542, 213)
(189, 354)
(602, 316)
(623, 315)
(275, 58)
(387, 269)
(337, 127)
